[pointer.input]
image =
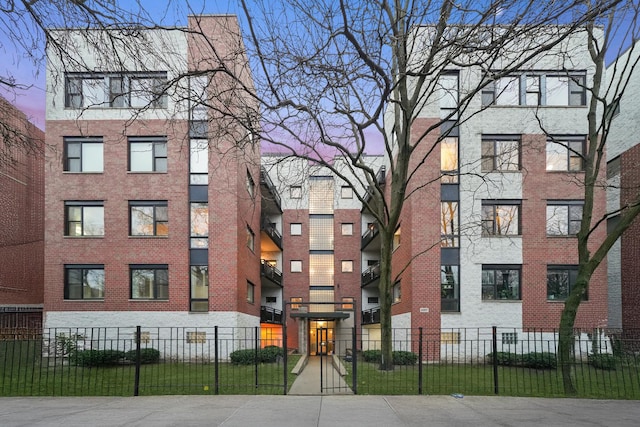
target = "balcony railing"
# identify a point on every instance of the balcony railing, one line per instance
(370, 274)
(270, 315)
(381, 178)
(266, 182)
(371, 316)
(370, 233)
(271, 273)
(269, 228)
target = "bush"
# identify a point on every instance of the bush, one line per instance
(404, 358)
(147, 356)
(270, 353)
(372, 356)
(94, 358)
(603, 361)
(542, 360)
(505, 358)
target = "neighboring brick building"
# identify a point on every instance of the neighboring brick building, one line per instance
(21, 220)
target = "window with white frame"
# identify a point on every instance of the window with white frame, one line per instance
(346, 228)
(83, 154)
(565, 154)
(501, 217)
(564, 217)
(295, 229)
(84, 218)
(346, 192)
(347, 266)
(147, 153)
(296, 266)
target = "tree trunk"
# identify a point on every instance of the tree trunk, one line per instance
(386, 300)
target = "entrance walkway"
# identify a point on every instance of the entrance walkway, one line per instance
(308, 381)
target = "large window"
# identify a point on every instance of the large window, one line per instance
(448, 95)
(450, 288)
(199, 162)
(149, 281)
(84, 218)
(565, 154)
(148, 154)
(321, 232)
(116, 90)
(560, 281)
(564, 217)
(84, 281)
(321, 266)
(537, 88)
(199, 288)
(500, 217)
(83, 154)
(199, 218)
(149, 218)
(449, 232)
(449, 160)
(501, 282)
(321, 195)
(500, 153)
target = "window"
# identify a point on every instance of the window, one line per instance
(149, 218)
(148, 154)
(199, 288)
(448, 95)
(347, 303)
(538, 88)
(199, 162)
(295, 303)
(449, 160)
(250, 185)
(396, 238)
(346, 228)
(532, 87)
(82, 282)
(321, 193)
(564, 217)
(449, 232)
(397, 292)
(196, 337)
(84, 219)
(321, 232)
(565, 154)
(116, 90)
(347, 266)
(500, 154)
(346, 192)
(560, 281)
(373, 300)
(271, 300)
(450, 288)
(295, 191)
(296, 229)
(565, 90)
(500, 282)
(83, 154)
(503, 91)
(321, 266)
(251, 289)
(296, 266)
(149, 282)
(500, 218)
(199, 218)
(509, 338)
(250, 238)
(450, 337)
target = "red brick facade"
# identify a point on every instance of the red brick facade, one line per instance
(630, 177)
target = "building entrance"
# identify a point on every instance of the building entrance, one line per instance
(321, 337)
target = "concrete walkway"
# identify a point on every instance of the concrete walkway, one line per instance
(308, 383)
(314, 411)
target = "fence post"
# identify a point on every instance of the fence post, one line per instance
(420, 360)
(216, 383)
(495, 358)
(285, 356)
(354, 360)
(256, 344)
(136, 383)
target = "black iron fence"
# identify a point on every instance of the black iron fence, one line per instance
(217, 360)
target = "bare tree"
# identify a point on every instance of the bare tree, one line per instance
(332, 73)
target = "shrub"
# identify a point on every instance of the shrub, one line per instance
(243, 357)
(147, 355)
(404, 358)
(603, 361)
(372, 355)
(542, 360)
(94, 358)
(505, 358)
(270, 353)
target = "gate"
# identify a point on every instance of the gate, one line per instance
(334, 355)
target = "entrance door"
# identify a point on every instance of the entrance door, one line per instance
(321, 340)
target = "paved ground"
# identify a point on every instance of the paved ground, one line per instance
(309, 382)
(318, 411)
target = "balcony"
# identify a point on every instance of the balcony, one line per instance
(381, 179)
(371, 316)
(370, 234)
(270, 272)
(270, 315)
(270, 230)
(271, 203)
(370, 275)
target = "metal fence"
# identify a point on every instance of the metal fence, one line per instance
(217, 360)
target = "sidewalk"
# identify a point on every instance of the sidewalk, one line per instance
(307, 383)
(316, 411)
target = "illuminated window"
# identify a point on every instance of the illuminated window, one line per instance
(347, 303)
(449, 160)
(449, 232)
(346, 228)
(320, 233)
(295, 303)
(347, 266)
(396, 238)
(565, 154)
(321, 195)
(501, 218)
(321, 269)
(296, 266)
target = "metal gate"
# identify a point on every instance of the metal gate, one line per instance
(335, 355)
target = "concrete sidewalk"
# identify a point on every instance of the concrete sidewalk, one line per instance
(307, 383)
(302, 411)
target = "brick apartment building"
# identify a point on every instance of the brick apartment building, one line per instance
(146, 225)
(21, 220)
